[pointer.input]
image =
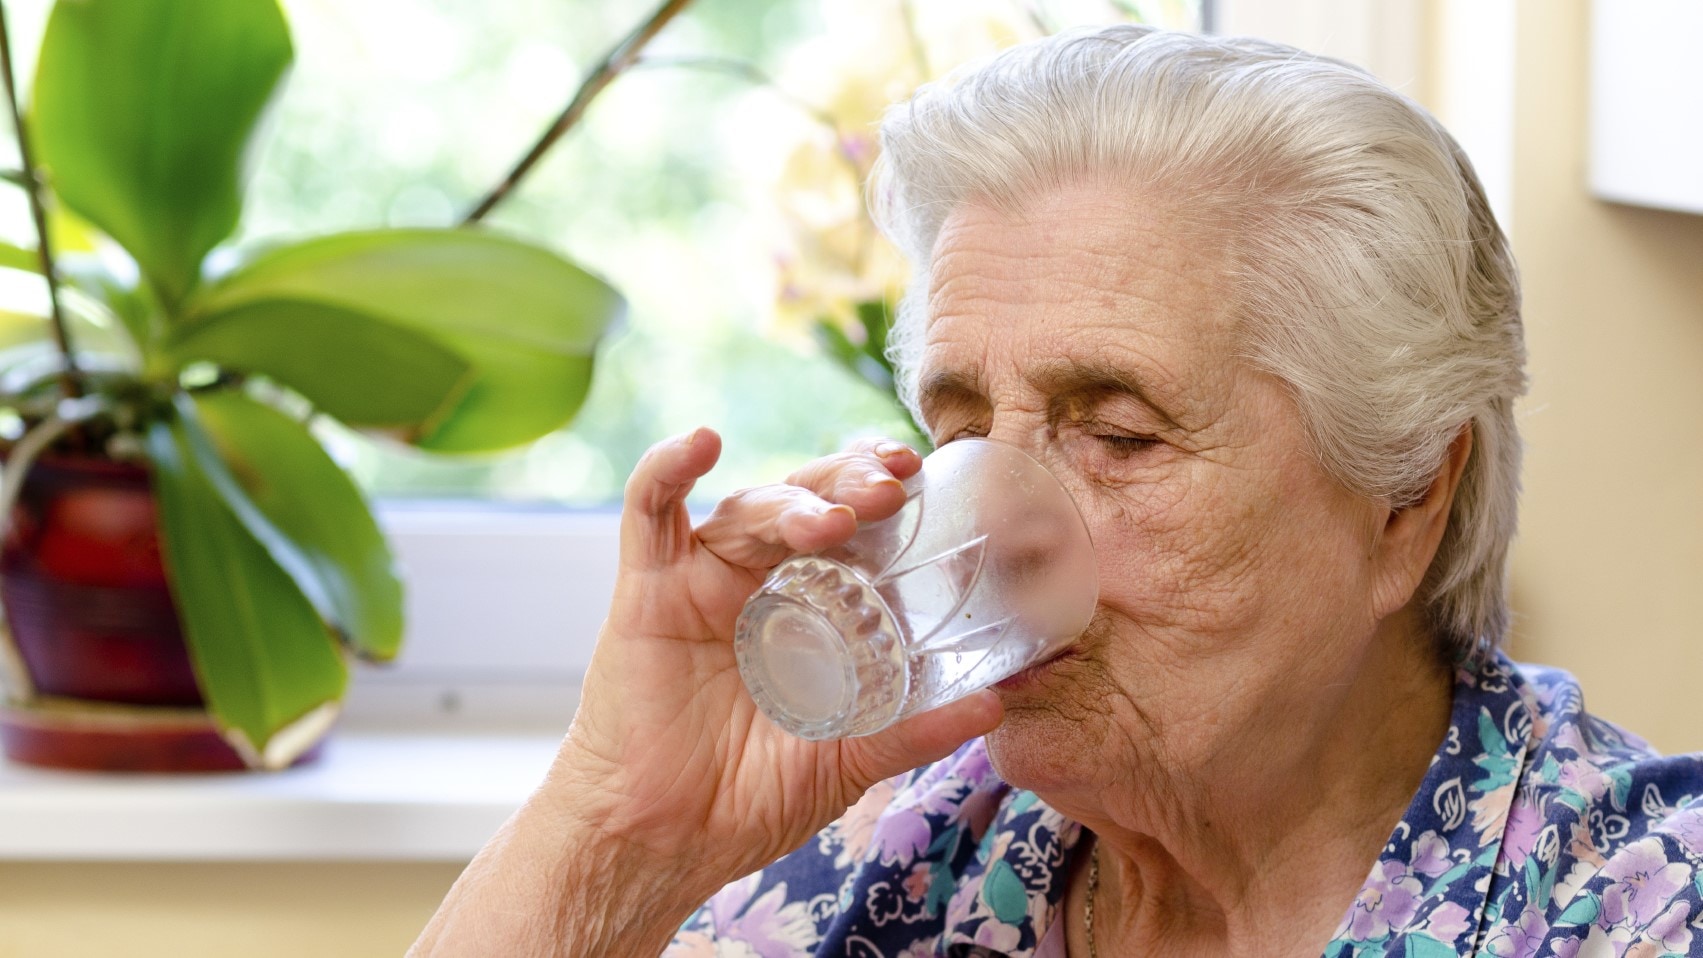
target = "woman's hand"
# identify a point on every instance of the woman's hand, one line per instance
(668, 756)
(670, 783)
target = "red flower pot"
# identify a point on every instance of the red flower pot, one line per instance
(93, 621)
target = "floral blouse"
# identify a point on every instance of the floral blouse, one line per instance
(1539, 830)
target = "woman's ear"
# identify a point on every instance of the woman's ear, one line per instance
(1411, 534)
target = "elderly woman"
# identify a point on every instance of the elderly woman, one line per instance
(1251, 307)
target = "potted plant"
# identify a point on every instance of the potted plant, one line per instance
(186, 572)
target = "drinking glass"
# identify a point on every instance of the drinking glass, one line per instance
(986, 570)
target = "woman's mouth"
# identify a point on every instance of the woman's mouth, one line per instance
(1035, 674)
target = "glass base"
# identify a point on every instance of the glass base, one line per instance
(821, 652)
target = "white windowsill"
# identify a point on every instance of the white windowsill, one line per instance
(434, 752)
(371, 797)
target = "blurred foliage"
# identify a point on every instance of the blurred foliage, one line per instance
(699, 195)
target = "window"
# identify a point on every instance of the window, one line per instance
(403, 111)
(701, 184)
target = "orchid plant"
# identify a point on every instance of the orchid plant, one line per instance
(453, 340)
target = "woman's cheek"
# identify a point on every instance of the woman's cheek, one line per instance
(1164, 545)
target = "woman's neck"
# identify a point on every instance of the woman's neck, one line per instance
(1262, 854)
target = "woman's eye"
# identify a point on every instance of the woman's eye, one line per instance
(962, 434)
(1121, 446)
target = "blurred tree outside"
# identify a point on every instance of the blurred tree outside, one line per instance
(718, 187)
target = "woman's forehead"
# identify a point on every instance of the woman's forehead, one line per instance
(1097, 295)
(1085, 259)
(1100, 222)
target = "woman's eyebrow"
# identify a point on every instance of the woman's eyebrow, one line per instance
(1067, 380)
(949, 387)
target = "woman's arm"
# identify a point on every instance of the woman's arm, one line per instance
(550, 884)
(670, 783)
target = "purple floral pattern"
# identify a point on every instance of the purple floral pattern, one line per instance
(1539, 831)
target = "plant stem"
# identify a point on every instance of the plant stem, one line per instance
(613, 63)
(70, 378)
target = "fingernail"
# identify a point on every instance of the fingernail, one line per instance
(887, 450)
(692, 436)
(877, 477)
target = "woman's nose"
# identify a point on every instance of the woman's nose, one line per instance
(1033, 434)
(1022, 432)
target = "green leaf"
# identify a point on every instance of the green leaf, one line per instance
(360, 370)
(310, 515)
(268, 669)
(1582, 911)
(1005, 894)
(873, 315)
(942, 885)
(1024, 801)
(1420, 945)
(1540, 883)
(1448, 878)
(834, 342)
(1499, 760)
(527, 319)
(518, 397)
(13, 256)
(1619, 786)
(142, 112)
(868, 360)
(943, 842)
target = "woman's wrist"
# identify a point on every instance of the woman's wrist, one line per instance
(632, 879)
(609, 901)
(551, 883)
(658, 827)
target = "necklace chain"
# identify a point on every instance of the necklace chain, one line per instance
(1093, 890)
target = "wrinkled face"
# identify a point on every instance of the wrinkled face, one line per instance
(1235, 574)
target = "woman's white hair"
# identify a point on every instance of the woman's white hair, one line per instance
(1368, 271)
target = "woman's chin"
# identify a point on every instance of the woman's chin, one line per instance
(1050, 725)
(1040, 752)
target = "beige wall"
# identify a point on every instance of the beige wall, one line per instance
(1608, 570)
(216, 911)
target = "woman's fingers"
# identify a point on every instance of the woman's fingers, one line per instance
(758, 527)
(920, 739)
(818, 507)
(866, 477)
(655, 528)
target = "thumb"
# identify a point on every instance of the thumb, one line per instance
(921, 739)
